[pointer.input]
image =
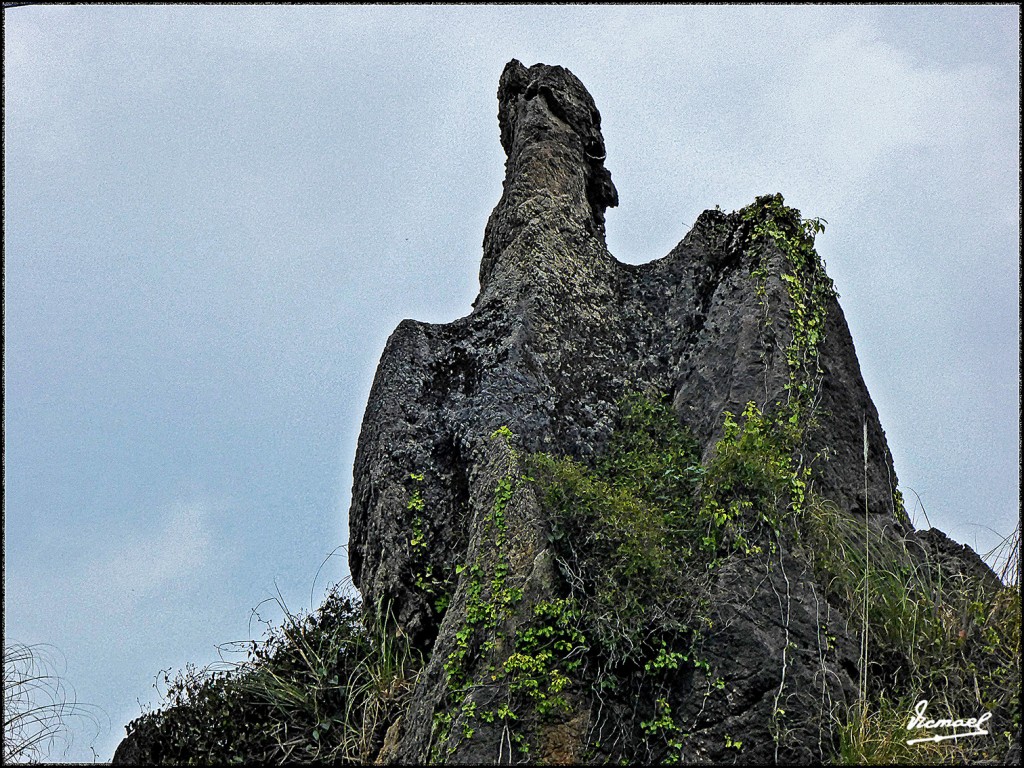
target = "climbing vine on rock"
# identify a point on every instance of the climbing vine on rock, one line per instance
(808, 286)
(490, 601)
(435, 586)
(640, 536)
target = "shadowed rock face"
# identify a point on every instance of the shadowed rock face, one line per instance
(559, 333)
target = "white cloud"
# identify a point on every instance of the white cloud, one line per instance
(140, 565)
(854, 99)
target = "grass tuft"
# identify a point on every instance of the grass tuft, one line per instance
(38, 704)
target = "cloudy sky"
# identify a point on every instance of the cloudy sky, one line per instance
(215, 216)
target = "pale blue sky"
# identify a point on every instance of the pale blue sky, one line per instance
(215, 216)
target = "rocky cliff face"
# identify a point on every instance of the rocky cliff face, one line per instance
(559, 334)
(620, 513)
(561, 331)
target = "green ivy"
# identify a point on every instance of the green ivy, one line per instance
(436, 587)
(548, 652)
(808, 286)
(490, 600)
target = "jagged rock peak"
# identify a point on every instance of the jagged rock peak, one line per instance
(562, 100)
(555, 179)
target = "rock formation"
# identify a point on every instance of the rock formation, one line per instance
(456, 547)
(560, 332)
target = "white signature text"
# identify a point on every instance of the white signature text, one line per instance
(920, 721)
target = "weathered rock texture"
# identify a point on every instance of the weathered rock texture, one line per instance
(559, 333)
(444, 545)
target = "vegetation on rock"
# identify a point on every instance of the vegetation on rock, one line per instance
(615, 651)
(319, 688)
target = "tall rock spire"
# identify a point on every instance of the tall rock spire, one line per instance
(610, 508)
(560, 333)
(556, 187)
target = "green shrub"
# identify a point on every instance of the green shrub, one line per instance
(639, 536)
(319, 688)
(627, 530)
